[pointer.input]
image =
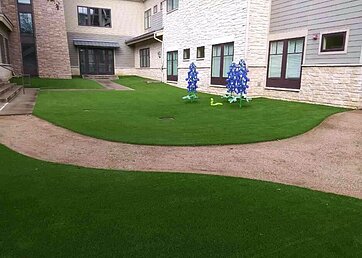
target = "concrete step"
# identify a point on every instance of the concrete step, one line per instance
(5, 87)
(11, 94)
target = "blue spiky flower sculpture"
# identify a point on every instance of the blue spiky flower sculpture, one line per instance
(192, 80)
(237, 83)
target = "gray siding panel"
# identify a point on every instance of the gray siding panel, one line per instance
(124, 54)
(320, 16)
(156, 22)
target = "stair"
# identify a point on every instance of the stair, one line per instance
(9, 91)
(101, 77)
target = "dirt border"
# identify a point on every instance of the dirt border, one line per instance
(327, 158)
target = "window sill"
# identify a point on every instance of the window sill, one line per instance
(200, 59)
(332, 52)
(217, 86)
(171, 11)
(282, 89)
(186, 60)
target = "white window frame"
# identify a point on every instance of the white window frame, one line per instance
(333, 52)
(147, 19)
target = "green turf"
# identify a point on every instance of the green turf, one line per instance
(134, 116)
(74, 83)
(52, 210)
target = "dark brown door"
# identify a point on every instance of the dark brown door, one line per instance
(96, 61)
(172, 66)
(30, 64)
(285, 63)
(222, 57)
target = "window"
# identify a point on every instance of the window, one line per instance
(2, 50)
(145, 57)
(200, 52)
(26, 23)
(148, 19)
(285, 63)
(186, 54)
(155, 9)
(172, 66)
(172, 5)
(24, 1)
(333, 42)
(222, 57)
(97, 17)
(7, 50)
(161, 6)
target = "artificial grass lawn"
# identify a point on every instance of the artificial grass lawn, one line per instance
(52, 210)
(74, 83)
(134, 116)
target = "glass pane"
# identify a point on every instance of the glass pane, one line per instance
(105, 17)
(275, 66)
(169, 67)
(334, 41)
(216, 51)
(291, 46)
(273, 48)
(26, 23)
(229, 50)
(216, 63)
(175, 70)
(299, 45)
(294, 62)
(227, 62)
(24, 1)
(280, 47)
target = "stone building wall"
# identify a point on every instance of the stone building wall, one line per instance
(9, 8)
(214, 23)
(328, 85)
(51, 40)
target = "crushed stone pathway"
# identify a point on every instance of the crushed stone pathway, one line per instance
(327, 158)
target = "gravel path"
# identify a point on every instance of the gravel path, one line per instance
(328, 158)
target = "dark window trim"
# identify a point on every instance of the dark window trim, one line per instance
(186, 54)
(342, 49)
(89, 25)
(220, 80)
(282, 82)
(197, 52)
(172, 77)
(145, 52)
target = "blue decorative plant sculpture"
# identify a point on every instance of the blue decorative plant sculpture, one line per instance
(192, 80)
(237, 83)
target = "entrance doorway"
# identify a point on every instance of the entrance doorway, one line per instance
(96, 61)
(172, 66)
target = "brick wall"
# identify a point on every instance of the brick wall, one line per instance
(51, 40)
(9, 8)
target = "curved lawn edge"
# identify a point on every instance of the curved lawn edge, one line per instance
(197, 145)
(187, 174)
(137, 117)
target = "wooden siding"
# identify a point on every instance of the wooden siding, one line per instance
(320, 16)
(156, 22)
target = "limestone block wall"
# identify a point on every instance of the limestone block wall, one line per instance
(328, 85)
(216, 22)
(51, 40)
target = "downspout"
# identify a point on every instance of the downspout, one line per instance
(162, 59)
